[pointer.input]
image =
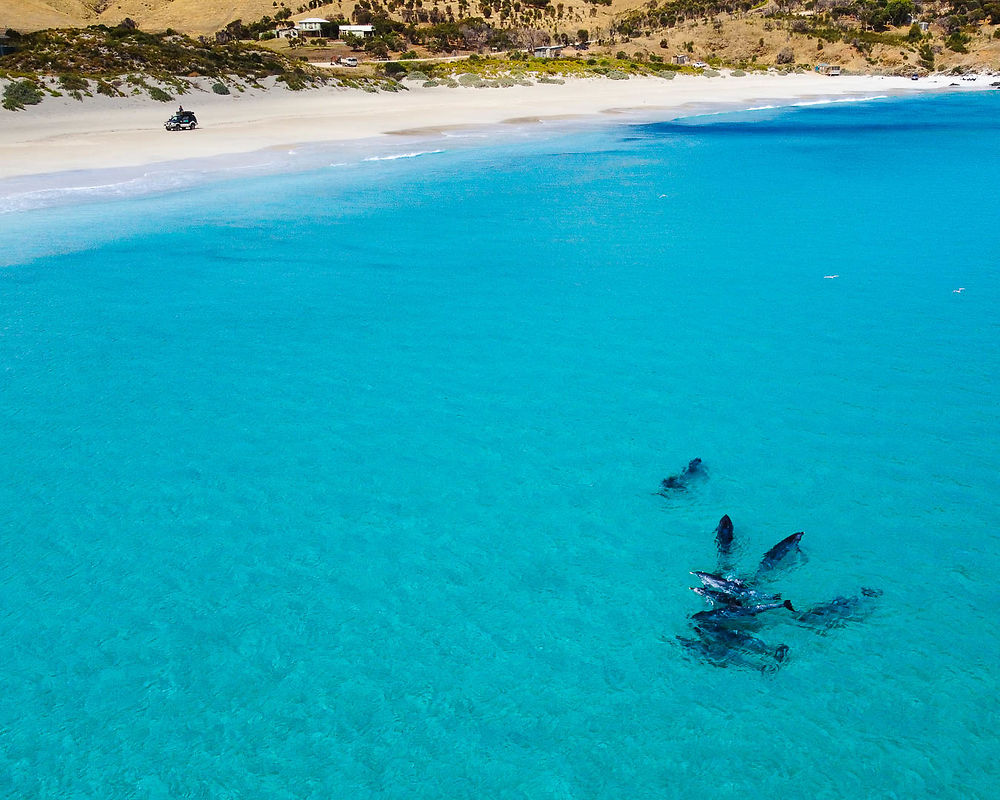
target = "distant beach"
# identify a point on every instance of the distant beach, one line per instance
(63, 135)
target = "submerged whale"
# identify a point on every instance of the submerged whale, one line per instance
(779, 552)
(728, 648)
(679, 482)
(740, 591)
(724, 535)
(719, 597)
(840, 610)
(734, 615)
(743, 641)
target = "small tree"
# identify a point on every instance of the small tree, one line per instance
(583, 36)
(377, 48)
(785, 56)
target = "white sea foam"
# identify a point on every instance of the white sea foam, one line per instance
(396, 156)
(829, 100)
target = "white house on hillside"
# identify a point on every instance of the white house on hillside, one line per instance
(548, 51)
(357, 30)
(311, 27)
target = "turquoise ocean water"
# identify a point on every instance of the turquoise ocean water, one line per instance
(340, 484)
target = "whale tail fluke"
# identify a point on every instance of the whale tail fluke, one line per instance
(788, 604)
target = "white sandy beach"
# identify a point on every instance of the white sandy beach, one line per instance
(62, 134)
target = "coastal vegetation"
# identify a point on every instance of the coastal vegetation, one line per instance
(599, 38)
(125, 61)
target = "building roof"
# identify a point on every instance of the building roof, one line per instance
(314, 19)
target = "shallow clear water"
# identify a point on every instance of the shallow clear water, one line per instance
(341, 484)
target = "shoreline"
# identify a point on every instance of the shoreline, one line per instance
(66, 147)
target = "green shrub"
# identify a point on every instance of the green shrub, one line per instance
(617, 75)
(73, 83)
(621, 55)
(158, 94)
(220, 88)
(417, 75)
(665, 73)
(957, 42)
(295, 79)
(926, 54)
(549, 79)
(408, 55)
(470, 79)
(20, 94)
(737, 73)
(429, 84)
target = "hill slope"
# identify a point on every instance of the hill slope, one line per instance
(860, 35)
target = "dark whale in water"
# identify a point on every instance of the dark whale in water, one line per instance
(840, 610)
(743, 641)
(724, 535)
(720, 597)
(728, 648)
(717, 597)
(679, 482)
(732, 615)
(715, 581)
(724, 544)
(779, 552)
(744, 592)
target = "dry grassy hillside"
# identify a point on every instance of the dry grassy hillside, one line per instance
(202, 17)
(189, 16)
(744, 37)
(196, 17)
(31, 15)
